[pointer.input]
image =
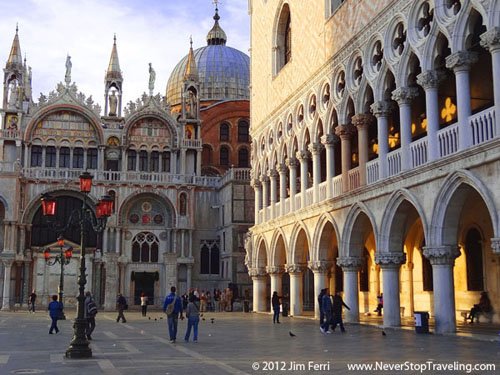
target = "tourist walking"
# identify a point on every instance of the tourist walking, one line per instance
(121, 304)
(327, 309)
(32, 301)
(320, 304)
(144, 304)
(55, 310)
(193, 318)
(90, 312)
(173, 308)
(275, 301)
(337, 312)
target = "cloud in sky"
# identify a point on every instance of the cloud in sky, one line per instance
(155, 31)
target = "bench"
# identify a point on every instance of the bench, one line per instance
(487, 315)
(464, 314)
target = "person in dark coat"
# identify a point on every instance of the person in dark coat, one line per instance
(55, 309)
(275, 301)
(121, 304)
(337, 312)
(320, 303)
(484, 305)
(327, 308)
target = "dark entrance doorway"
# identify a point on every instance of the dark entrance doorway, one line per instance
(145, 282)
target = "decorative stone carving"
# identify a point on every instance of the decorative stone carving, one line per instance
(495, 246)
(264, 179)
(404, 95)
(321, 266)
(362, 121)
(291, 163)
(272, 270)
(273, 173)
(345, 131)
(329, 139)
(491, 39)
(461, 60)
(382, 108)
(388, 260)
(281, 168)
(255, 183)
(301, 155)
(429, 79)
(257, 272)
(315, 148)
(295, 268)
(441, 255)
(110, 258)
(352, 263)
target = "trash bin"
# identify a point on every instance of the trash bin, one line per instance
(246, 306)
(421, 321)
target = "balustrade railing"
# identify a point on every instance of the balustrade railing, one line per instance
(448, 140)
(394, 162)
(418, 150)
(372, 171)
(483, 126)
(323, 191)
(354, 178)
(337, 185)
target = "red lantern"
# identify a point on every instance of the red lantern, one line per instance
(104, 206)
(68, 253)
(48, 205)
(85, 182)
(60, 241)
(46, 254)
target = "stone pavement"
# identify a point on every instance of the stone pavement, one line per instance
(233, 344)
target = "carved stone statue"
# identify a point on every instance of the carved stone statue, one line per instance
(13, 97)
(67, 77)
(152, 78)
(113, 101)
(192, 110)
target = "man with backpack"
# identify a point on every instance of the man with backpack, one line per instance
(173, 308)
(90, 312)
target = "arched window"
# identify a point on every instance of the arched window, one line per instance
(224, 156)
(165, 161)
(143, 160)
(205, 260)
(155, 161)
(474, 260)
(78, 158)
(214, 260)
(182, 204)
(131, 160)
(36, 156)
(145, 248)
(92, 158)
(50, 156)
(209, 258)
(64, 157)
(224, 132)
(288, 40)
(243, 158)
(283, 39)
(243, 133)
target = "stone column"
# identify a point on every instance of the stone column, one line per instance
(461, 62)
(257, 188)
(351, 266)
(320, 270)
(495, 246)
(345, 132)
(429, 80)
(292, 166)
(403, 96)
(302, 158)
(100, 158)
(491, 41)
(362, 123)
(273, 178)
(276, 274)
(382, 110)
(390, 264)
(27, 279)
(295, 272)
(198, 162)
(189, 275)
(329, 141)
(442, 259)
(111, 283)
(315, 150)
(7, 265)
(258, 276)
(282, 169)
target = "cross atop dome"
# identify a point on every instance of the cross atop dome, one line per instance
(216, 36)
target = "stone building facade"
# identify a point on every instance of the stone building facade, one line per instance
(180, 213)
(375, 155)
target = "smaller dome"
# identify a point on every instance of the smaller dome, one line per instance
(216, 36)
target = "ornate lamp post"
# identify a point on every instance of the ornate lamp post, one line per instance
(79, 346)
(64, 257)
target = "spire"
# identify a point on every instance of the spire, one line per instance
(114, 72)
(216, 36)
(191, 72)
(15, 57)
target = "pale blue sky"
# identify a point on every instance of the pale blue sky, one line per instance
(155, 31)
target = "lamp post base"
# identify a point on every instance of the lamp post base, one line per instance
(79, 346)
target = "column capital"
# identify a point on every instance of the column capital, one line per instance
(274, 270)
(301, 156)
(345, 131)
(491, 39)
(295, 268)
(495, 246)
(281, 168)
(264, 178)
(351, 263)
(461, 60)
(320, 266)
(255, 183)
(404, 95)
(362, 121)
(315, 148)
(430, 79)
(441, 255)
(382, 108)
(291, 162)
(329, 139)
(390, 260)
(257, 272)
(273, 173)
(110, 257)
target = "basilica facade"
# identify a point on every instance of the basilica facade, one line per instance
(176, 167)
(375, 155)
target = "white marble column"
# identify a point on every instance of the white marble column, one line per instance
(189, 275)
(491, 41)
(273, 178)
(282, 169)
(442, 259)
(403, 96)
(258, 276)
(198, 162)
(362, 122)
(351, 266)
(320, 270)
(183, 162)
(429, 80)
(390, 264)
(345, 132)
(315, 150)
(302, 158)
(257, 187)
(461, 62)
(292, 166)
(295, 271)
(7, 266)
(382, 110)
(276, 274)
(495, 246)
(329, 141)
